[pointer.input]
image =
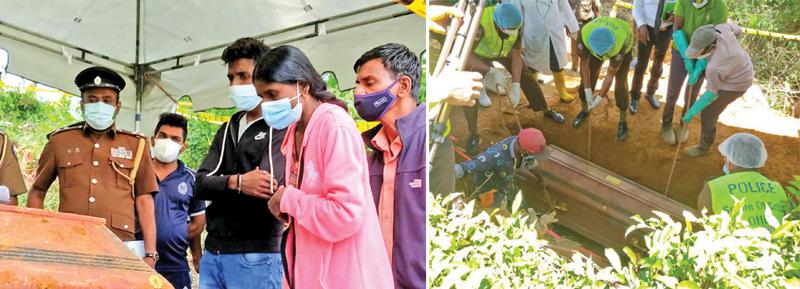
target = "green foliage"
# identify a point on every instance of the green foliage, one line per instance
(486, 250)
(27, 121)
(777, 70)
(201, 133)
(770, 15)
(793, 192)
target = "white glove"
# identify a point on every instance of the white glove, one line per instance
(589, 95)
(513, 97)
(5, 196)
(596, 102)
(495, 81)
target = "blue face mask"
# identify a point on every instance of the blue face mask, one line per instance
(279, 114)
(244, 96)
(99, 115)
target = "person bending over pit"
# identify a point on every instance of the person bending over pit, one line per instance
(493, 171)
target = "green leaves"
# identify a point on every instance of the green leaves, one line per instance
(476, 249)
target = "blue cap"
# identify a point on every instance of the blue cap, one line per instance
(601, 40)
(507, 16)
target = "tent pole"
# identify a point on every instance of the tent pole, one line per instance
(138, 71)
(138, 78)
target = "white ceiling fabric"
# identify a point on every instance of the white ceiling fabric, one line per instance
(181, 41)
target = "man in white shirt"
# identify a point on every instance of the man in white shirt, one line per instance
(650, 37)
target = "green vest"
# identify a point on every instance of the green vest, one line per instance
(757, 192)
(490, 45)
(623, 35)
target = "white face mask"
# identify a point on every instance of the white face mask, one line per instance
(244, 96)
(725, 168)
(98, 115)
(166, 150)
(704, 56)
(511, 32)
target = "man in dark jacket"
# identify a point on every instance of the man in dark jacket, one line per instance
(237, 176)
(387, 90)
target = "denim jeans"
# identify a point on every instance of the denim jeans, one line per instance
(241, 271)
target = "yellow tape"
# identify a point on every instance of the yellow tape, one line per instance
(418, 7)
(744, 29)
(770, 34)
(624, 4)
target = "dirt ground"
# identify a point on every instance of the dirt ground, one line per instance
(644, 157)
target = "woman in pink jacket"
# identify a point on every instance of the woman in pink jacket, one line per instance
(334, 239)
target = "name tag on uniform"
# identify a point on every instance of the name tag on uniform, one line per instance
(121, 153)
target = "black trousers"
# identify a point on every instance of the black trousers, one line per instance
(661, 45)
(528, 84)
(620, 80)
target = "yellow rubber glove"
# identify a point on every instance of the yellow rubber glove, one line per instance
(440, 13)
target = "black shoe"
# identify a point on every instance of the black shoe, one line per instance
(652, 100)
(472, 144)
(580, 119)
(622, 131)
(634, 106)
(555, 116)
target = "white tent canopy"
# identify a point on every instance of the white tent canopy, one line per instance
(167, 49)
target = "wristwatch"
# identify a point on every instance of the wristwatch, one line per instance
(153, 255)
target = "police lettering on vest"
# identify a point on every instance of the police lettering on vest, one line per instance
(623, 36)
(756, 190)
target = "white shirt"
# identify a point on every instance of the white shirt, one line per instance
(244, 125)
(644, 12)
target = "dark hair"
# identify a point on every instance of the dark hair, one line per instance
(287, 64)
(244, 48)
(399, 60)
(175, 120)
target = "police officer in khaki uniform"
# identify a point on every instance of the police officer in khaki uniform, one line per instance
(102, 171)
(11, 182)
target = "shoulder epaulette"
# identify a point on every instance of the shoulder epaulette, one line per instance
(131, 133)
(63, 129)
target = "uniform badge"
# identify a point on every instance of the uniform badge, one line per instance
(260, 135)
(121, 153)
(97, 80)
(183, 188)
